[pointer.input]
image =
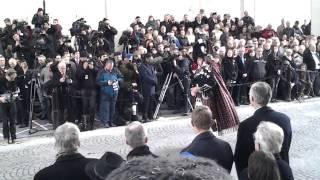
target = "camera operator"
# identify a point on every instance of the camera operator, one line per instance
(86, 75)
(82, 42)
(181, 65)
(8, 109)
(100, 63)
(128, 91)
(97, 43)
(38, 19)
(64, 45)
(74, 101)
(58, 87)
(149, 81)
(129, 40)
(108, 32)
(42, 44)
(21, 48)
(45, 76)
(7, 37)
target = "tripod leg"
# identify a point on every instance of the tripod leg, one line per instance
(162, 94)
(183, 90)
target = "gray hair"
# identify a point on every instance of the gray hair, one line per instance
(67, 138)
(261, 92)
(269, 136)
(135, 134)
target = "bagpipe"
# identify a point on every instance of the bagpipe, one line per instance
(204, 81)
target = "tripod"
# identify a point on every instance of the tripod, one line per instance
(164, 90)
(34, 88)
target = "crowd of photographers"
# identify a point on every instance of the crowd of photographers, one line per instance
(76, 77)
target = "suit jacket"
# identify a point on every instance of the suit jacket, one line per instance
(309, 61)
(206, 145)
(245, 142)
(148, 79)
(68, 167)
(242, 68)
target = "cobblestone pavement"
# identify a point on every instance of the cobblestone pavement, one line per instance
(168, 136)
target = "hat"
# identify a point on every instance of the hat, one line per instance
(40, 9)
(99, 169)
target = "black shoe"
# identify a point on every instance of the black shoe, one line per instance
(106, 126)
(112, 125)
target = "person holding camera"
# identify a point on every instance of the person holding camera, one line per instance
(109, 33)
(8, 110)
(86, 76)
(149, 81)
(181, 68)
(108, 79)
(38, 19)
(128, 93)
(58, 88)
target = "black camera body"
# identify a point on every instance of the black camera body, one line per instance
(78, 26)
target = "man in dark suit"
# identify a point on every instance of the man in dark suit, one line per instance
(312, 60)
(241, 92)
(269, 139)
(70, 165)
(149, 81)
(205, 144)
(260, 95)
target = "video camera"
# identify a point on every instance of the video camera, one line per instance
(103, 25)
(78, 26)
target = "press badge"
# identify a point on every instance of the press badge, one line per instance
(86, 77)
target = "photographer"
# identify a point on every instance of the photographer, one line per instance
(42, 44)
(86, 76)
(38, 19)
(181, 65)
(8, 109)
(128, 92)
(129, 40)
(58, 88)
(149, 81)
(97, 43)
(6, 37)
(108, 80)
(21, 48)
(108, 32)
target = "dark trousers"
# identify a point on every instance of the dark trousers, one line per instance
(23, 107)
(148, 106)
(88, 106)
(274, 83)
(107, 108)
(8, 114)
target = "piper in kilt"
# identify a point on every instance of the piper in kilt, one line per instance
(210, 84)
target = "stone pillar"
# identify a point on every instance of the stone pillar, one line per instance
(241, 8)
(315, 17)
